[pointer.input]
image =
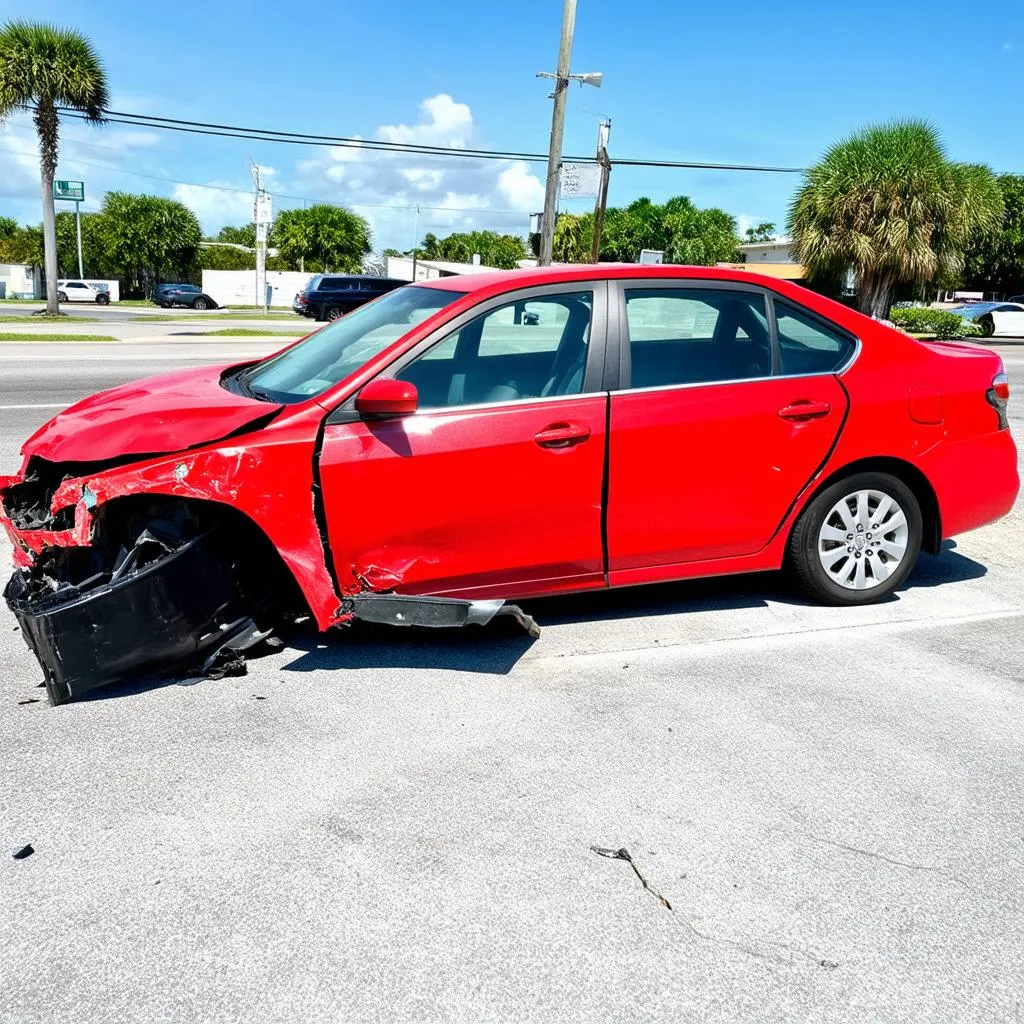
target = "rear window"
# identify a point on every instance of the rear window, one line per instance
(806, 345)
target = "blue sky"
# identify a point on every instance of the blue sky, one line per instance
(725, 82)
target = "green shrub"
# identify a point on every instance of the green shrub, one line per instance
(940, 322)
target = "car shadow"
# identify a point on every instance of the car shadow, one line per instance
(495, 649)
(947, 567)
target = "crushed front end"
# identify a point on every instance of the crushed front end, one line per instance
(102, 594)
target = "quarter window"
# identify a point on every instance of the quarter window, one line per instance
(533, 348)
(696, 336)
(806, 345)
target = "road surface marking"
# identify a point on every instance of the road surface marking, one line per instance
(51, 405)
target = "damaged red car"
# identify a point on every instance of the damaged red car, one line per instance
(472, 440)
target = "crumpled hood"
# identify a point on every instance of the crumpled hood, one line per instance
(152, 416)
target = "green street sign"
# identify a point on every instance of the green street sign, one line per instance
(73, 190)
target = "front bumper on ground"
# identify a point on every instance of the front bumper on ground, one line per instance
(165, 613)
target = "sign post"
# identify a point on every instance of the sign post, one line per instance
(73, 191)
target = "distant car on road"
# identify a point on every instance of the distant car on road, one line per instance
(996, 319)
(79, 291)
(328, 296)
(169, 295)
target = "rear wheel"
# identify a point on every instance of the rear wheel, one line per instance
(857, 541)
(61, 297)
(988, 326)
(334, 313)
(200, 303)
(103, 299)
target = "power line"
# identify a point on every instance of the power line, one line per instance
(279, 195)
(420, 149)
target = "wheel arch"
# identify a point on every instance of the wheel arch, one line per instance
(252, 545)
(904, 471)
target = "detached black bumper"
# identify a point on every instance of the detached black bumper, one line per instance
(167, 614)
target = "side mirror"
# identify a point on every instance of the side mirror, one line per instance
(387, 397)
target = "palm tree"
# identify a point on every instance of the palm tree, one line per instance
(43, 67)
(888, 203)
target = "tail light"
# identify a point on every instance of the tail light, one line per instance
(998, 396)
(303, 301)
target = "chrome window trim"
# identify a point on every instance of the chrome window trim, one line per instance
(517, 403)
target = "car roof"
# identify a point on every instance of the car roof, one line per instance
(527, 276)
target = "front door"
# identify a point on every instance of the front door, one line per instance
(719, 428)
(493, 487)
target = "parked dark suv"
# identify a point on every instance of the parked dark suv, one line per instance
(328, 296)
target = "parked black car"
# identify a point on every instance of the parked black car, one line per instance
(168, 295)
(328, 296)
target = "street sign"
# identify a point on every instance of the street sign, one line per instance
(580, 181)
(262, 211)
(70, 190)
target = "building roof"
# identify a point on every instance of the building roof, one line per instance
(778, 243)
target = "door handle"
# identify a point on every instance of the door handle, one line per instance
(562, 435)
(803, 410)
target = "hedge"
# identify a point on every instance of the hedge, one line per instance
(940, 322)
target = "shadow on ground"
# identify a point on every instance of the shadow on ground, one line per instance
(496, 648)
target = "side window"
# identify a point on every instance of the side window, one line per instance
(332, 284)
(75, 284)
(696, 336)
(533, 348)
(806, 345)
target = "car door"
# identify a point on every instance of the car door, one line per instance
(77, 292)
(494, 486)
(720, 423)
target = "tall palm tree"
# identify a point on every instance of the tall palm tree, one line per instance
(44, 67)
(888, 203)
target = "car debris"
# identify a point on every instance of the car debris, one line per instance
(24, 851)
(433, 612)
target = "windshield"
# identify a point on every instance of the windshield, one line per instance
(973, 307)
(339, 349)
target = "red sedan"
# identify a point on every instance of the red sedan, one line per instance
(499, 436)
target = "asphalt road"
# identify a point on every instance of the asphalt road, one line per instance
(381, 826)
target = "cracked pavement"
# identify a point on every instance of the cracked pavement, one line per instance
(386, 826)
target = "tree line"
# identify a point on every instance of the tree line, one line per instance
(142, 240)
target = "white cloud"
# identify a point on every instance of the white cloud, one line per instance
(453, 194)
(1006, 47)
(215, 205)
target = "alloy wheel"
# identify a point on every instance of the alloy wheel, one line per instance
(863, 539)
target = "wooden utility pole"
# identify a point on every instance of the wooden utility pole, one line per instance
(603, 131)
(547, 228)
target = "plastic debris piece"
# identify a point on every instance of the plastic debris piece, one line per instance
(26, 851)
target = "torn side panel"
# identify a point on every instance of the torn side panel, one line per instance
(433, 612)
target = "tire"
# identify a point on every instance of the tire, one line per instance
(103, 299)
(824, 536)
(988, 326)
(200, 303)
(333, 313)
(61, 297)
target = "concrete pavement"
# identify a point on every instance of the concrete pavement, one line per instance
(385, 826)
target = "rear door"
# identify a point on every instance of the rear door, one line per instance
(718, 423)
(494, 486)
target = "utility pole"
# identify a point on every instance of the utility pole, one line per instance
(415, 241)
(547, 229)
(603, 131)
(261, 215)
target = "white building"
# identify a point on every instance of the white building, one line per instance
(400, 268)
(20, 281)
